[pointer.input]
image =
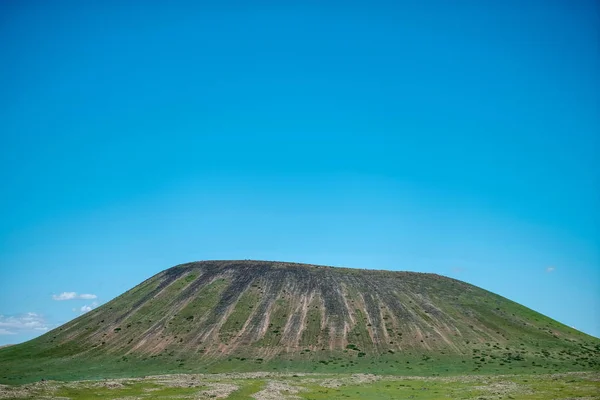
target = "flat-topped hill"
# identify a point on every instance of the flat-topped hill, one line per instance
(215, 316)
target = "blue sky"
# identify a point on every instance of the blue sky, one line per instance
(459, 138)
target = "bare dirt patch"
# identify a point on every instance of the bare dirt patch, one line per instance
(219, 390)
(277, 390)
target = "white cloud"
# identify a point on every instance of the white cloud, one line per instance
(87, 308)
(64, 296)
(550, 269)
(12, 325)
(73, 296)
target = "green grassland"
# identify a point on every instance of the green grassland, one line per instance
(484, 360)
(318, 386)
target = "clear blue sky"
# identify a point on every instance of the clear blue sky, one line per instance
(459, 138)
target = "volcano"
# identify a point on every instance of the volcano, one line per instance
(220, 316)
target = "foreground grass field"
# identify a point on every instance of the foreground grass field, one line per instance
(266, 386)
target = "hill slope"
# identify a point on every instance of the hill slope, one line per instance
(218, 316)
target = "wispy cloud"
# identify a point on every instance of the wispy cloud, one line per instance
(550, 269)
(64, 296)
(11, 325)
(86, 308)
(73, 296)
